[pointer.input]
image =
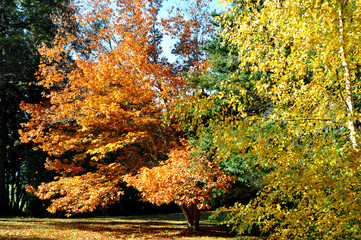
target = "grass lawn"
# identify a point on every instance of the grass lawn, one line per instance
(170, 226)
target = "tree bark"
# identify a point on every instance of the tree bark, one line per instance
(3, 137)
(192, 214)
(350, 105)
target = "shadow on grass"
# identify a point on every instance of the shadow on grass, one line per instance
(157, 229)
(25, 238)
(160, 227)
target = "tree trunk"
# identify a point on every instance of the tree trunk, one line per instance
(3, 137)
(192, 214)
(350, 105)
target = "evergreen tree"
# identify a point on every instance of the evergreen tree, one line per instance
(24, 25)
(223, 95)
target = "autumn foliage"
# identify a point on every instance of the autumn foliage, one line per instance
(101, 118)
(286, 114)
(306, 56)
(188, 181)
(190, 25)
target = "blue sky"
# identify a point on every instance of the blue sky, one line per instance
(214, 4)
(167, 41)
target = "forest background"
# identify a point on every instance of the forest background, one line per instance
(260, 108)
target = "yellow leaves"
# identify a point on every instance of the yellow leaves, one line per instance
(278, 207)
(318, 192)
(304, 135)
(108, 142)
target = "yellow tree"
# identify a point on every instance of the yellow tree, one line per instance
(309, 54)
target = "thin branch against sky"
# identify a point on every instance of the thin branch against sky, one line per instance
(168, 42)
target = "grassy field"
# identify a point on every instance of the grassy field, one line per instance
(171, 226)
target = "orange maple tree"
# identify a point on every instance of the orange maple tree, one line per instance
(101, 117)
(104, 99)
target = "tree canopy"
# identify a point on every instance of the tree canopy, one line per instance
(105, 97)
(308, 55)
(277, 106)
(102, 113)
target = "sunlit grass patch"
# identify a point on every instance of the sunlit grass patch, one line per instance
(170, 226)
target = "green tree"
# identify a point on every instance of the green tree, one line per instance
(223, 95)
(23, 26)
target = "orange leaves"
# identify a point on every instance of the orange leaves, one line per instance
(83, 193)
(190, 24)
(180, 179)
(102, 112)
(106, 85)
